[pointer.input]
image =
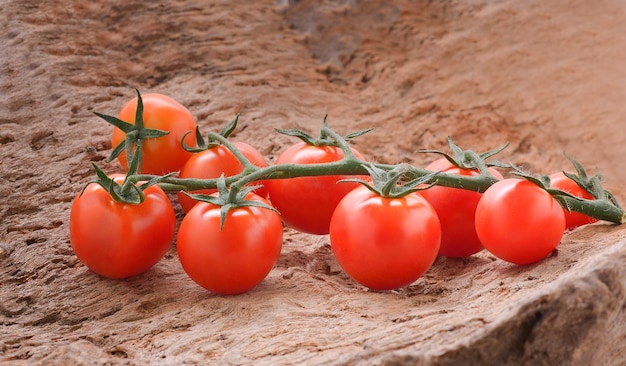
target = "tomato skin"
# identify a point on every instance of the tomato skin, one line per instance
(519, 222)
(164, 154)
(456, 209)
(572, 219)
(213, 162)
(307, 203)
(235, 259)
(384, 243)
(118, 240)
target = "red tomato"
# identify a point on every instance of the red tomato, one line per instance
(518, 221)
(307, 203)
(213, 162)
(119, 240)
(238, 257)
(456, 209)
(384, 243)
(572, 219)
(164, 154)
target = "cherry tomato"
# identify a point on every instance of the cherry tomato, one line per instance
(307, 203)
(384, 243)
(518, 221)
(238, 257)
(572, 219)
(164, 154)
(119, 240)
(456, 209)
(213, 162)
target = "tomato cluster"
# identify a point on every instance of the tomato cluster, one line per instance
(229, 243)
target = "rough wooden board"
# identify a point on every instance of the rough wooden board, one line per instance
(548, 77)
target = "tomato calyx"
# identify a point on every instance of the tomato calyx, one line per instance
(327, 136)
(469, 159)
(128, 192)
(229, 199)
(593, 184)
(135, 134)
(203, 145)
(389, 184)
(604, 206)
(541, 181)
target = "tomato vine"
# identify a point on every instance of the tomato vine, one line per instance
(399, 225)
(604, 206)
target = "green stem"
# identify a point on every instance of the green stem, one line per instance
(247, 164)
(476, 183)
(343, 144)
(346, 166)
(134, 165)
(600, 209)
(349, 165)
(281, 171)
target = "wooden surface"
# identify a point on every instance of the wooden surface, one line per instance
(547, 76)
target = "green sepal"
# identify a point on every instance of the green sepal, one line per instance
(134, 196)
(352, 135)
(468, 159)
(593, 184)
(125, 193)
(388, 183)
(202, 197)
(135, 164)
(325, 138)
(230, 127)
(122, 125)
(227, 201)
(139, 111)
(156, 180)
(128, 192)
(308, 139)
(116, 151)
(226, 131)
(543, 182)
(326, 133)
(199, 140)
(135, 133)
(102, 179)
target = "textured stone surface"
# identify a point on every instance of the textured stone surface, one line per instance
(546, 76)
